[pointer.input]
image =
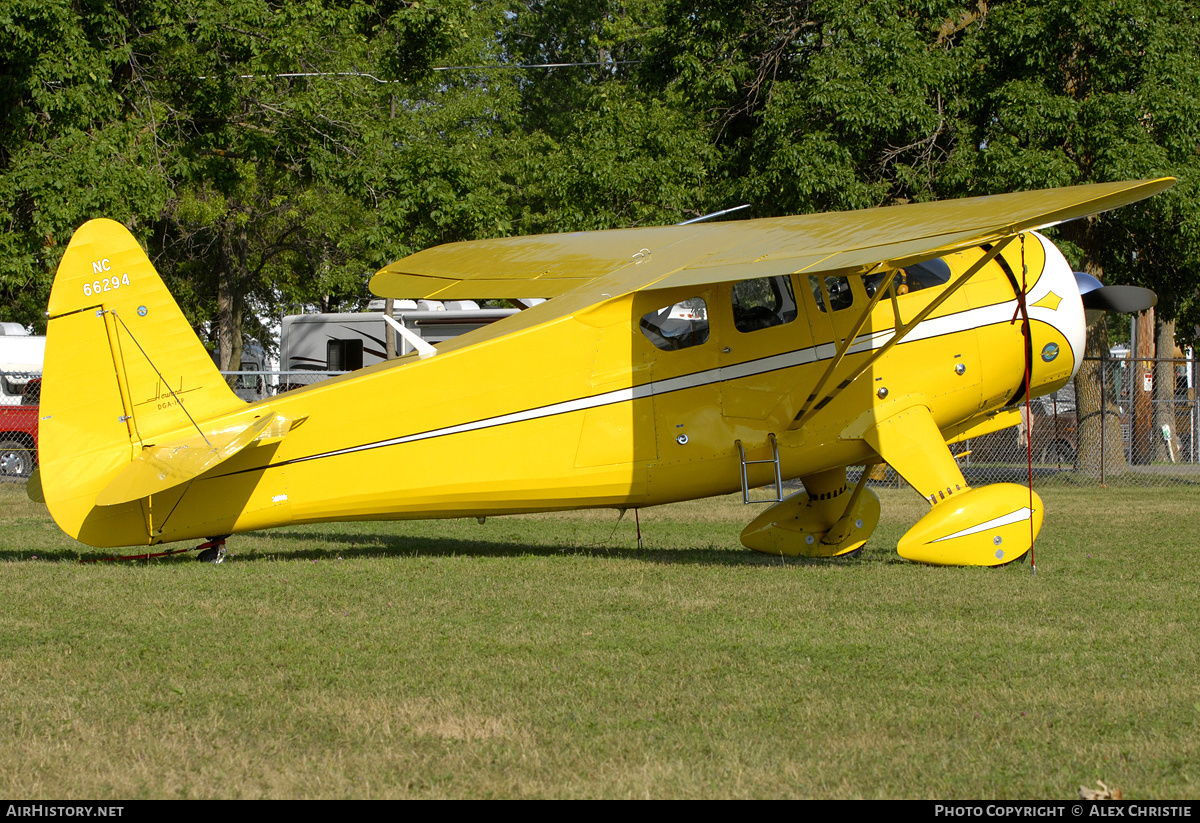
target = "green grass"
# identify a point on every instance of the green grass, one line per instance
(548, 656)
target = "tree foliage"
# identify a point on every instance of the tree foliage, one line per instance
(274, 155)
(71, 145)
(1096, 90)
(824, 104)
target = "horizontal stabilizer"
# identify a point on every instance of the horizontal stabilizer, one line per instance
(159, 468)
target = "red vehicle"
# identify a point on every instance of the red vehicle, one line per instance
(19, 433)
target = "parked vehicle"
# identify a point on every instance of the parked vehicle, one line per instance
(252, 387)
(21, 356)
(1054, 432)
(1055, 424)
(19, 432)
(346, 342)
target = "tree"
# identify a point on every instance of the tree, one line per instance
(821, 105)
(602, 142)
(265, 153)
(1089, 91)
(256, 215)
(72, 146)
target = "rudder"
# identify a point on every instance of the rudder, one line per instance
(123, 370)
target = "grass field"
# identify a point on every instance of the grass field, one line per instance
(547, 656)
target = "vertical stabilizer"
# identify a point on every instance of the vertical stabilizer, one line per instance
(123, 370)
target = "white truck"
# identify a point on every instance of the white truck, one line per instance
(21, 356)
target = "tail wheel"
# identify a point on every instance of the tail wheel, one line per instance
(213, 551)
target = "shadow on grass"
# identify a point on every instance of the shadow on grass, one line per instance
(300, 547)
(368, 545)
(320, 546)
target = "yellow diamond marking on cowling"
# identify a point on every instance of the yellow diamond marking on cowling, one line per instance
(1050, 301)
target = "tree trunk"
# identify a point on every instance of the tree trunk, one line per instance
(1142, 438)
(230, 300)
(389, 333)
(1167, 448)
(1101, 451)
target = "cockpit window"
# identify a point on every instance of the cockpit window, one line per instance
(935, 272)
(762, 303)
(838, 288)
(679, 326)
(874, 282)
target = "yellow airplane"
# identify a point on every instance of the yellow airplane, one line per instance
(669, 363)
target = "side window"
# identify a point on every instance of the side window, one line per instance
(838, 288)
(935, 272)
(874, 282)
(253, 382)
(679, 326)
(762, 303)
(918, 276)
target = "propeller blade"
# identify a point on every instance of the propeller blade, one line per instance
(1124, 299)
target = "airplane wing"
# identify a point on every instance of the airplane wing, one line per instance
(664, 257)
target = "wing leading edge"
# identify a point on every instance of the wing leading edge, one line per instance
(663, 257)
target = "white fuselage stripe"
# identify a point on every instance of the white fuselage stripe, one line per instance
(934, 327)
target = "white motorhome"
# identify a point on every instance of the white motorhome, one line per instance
(21, 356)
(324, 343)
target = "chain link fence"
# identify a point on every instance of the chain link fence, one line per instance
(20, 393)
(20, 397)
(259, 385)
(1121, 421)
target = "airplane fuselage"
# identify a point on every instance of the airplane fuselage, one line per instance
(637, 400)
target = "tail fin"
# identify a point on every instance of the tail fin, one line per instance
(123, 370)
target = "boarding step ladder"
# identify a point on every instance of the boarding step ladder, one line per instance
(746, 481)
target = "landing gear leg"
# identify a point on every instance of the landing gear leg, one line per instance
(989, 526)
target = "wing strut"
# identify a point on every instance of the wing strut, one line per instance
(415, 340)
(811, 408)
(843, 347)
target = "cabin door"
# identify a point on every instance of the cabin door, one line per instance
(766, 350)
